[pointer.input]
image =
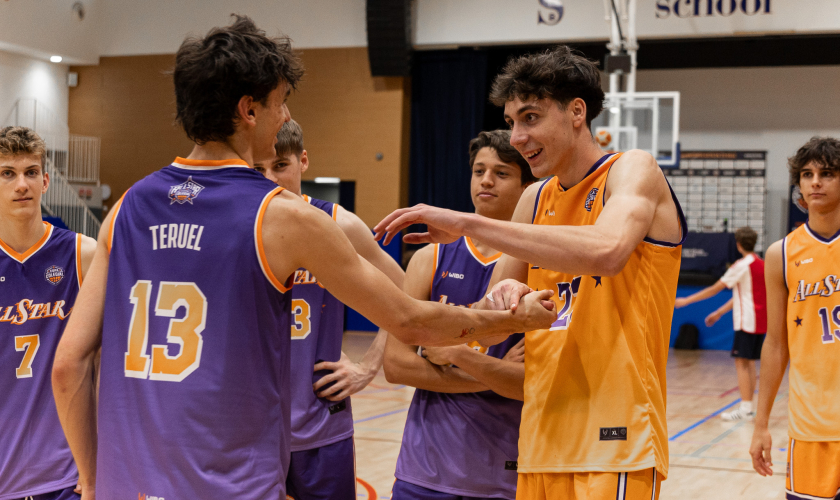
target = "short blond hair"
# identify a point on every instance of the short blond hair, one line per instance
(19, 141)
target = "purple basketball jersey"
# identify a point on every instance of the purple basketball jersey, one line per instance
(39, 289)
(462, 444)
(194, 394)
(317, 328)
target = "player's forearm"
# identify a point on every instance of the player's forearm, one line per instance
(75, 399)
(774, 361)
(434, 324)
(412, 370)
(583, 250)
(373, 358)
(506, 378)
(725, 308)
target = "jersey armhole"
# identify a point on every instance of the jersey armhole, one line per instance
(258, 243)
(784, 261)
(537, 201)
(79, 259)
(110, 241)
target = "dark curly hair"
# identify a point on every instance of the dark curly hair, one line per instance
(746, 237)
(824, 151)
(561, 73)
(499, 140)
(213, 73)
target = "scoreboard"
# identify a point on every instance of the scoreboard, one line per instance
(721, 191)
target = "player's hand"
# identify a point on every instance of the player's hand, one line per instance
(760, 448)
(516, 353)
(348, 377)
(88, 492)
(505, 295)
(443, 356)
(444, 226)
(680, 302)
(536, 311)
(712, 318)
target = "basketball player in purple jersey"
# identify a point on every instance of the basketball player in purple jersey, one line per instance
(196, 259)
(41, 268)
(323, 457)
(461, 434)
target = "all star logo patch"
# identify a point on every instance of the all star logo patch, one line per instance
(54, 274)
(186, 192)
(590, 199)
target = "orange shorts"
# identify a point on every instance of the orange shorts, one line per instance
(636, 485)
(813, 470)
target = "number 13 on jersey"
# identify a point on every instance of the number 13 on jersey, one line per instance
(185, 331)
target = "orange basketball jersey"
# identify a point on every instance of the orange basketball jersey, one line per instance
(813, 327)
(595, 381)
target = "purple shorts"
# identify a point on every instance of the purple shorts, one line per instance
(325, 473)
(65, 494)
(407, 491)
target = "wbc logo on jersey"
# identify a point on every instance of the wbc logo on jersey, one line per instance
(54, 274)
(186, 192)
(590, 199)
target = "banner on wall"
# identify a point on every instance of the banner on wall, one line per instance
(478, 22)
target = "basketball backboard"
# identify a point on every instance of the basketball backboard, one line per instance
(649, 121)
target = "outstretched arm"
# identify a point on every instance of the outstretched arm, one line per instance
(636, 190)
(297, 235)
(706, 293)
(347, 377)
(774, 358)
(73, 368)
(402, 363)
(715, 316)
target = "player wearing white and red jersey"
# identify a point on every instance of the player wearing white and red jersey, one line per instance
(749, 314)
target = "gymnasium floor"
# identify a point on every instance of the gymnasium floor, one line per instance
(709, 457)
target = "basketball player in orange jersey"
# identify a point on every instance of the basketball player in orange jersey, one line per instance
(603, 232)
(803, 327)
(203, 411)
(41, 269)
(323, 452)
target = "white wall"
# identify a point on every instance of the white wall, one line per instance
(772, 109)
(41, 28)
(27, 77)
(133, 27)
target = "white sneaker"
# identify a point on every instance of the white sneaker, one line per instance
(739, 414)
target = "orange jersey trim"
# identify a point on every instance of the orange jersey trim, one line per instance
(110, 240)
(335, 212)
(233, 162)
(79, 259)
(22, 257)
(261, 257)
(434, 269)
(478, 255)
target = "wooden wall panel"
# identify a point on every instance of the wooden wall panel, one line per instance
(347, 118)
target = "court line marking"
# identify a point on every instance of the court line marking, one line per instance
(719, 469)
(704, 420)
(379, 416)
(717, 439)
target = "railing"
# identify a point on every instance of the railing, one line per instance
(83, 159)
(61, 200)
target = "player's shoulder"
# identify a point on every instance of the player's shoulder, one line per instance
(637, 162)
(774, 254)
(424, 257)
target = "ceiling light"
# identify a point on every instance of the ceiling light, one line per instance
(55, 59)
(327, 180)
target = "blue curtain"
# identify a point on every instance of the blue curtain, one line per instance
(449, 91)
